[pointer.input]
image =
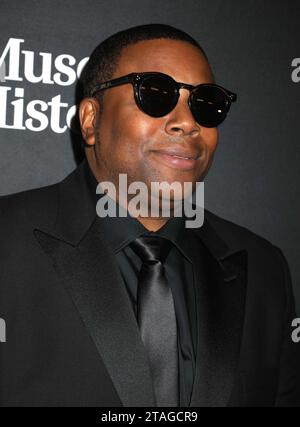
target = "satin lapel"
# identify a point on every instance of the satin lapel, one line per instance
(89, 272)
(220, 286)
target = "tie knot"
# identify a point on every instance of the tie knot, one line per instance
(151, 248)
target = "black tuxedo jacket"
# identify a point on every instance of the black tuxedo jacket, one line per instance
(72, 337)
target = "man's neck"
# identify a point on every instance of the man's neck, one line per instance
(152, 224)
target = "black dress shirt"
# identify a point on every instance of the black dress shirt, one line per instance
(120, 231)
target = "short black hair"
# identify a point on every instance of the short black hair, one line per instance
(104, 59)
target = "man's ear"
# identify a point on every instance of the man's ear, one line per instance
(88, 113)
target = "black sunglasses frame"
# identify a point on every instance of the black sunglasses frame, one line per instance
(136, 79)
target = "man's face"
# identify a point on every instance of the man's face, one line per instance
(126, 140)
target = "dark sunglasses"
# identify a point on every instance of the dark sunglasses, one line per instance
(157, 94)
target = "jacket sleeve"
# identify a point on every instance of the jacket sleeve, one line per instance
(288, 393)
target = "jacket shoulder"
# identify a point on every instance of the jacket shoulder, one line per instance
(29, 205)
(239, 235)
(263, 255)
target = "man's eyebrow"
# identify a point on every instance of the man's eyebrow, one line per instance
(199, 83)
(191, 84)
(203, 81)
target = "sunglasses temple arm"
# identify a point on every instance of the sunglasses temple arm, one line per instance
(112, 83)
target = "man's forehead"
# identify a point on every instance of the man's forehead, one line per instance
(181, 60)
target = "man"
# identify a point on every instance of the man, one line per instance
(125, 311)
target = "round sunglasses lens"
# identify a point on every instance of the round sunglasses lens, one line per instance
(157, 95)
(209, 105)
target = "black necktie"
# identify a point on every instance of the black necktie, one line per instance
(156, 317)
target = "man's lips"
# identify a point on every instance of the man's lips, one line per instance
(185, 160)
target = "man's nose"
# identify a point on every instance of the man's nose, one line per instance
(181, 120)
